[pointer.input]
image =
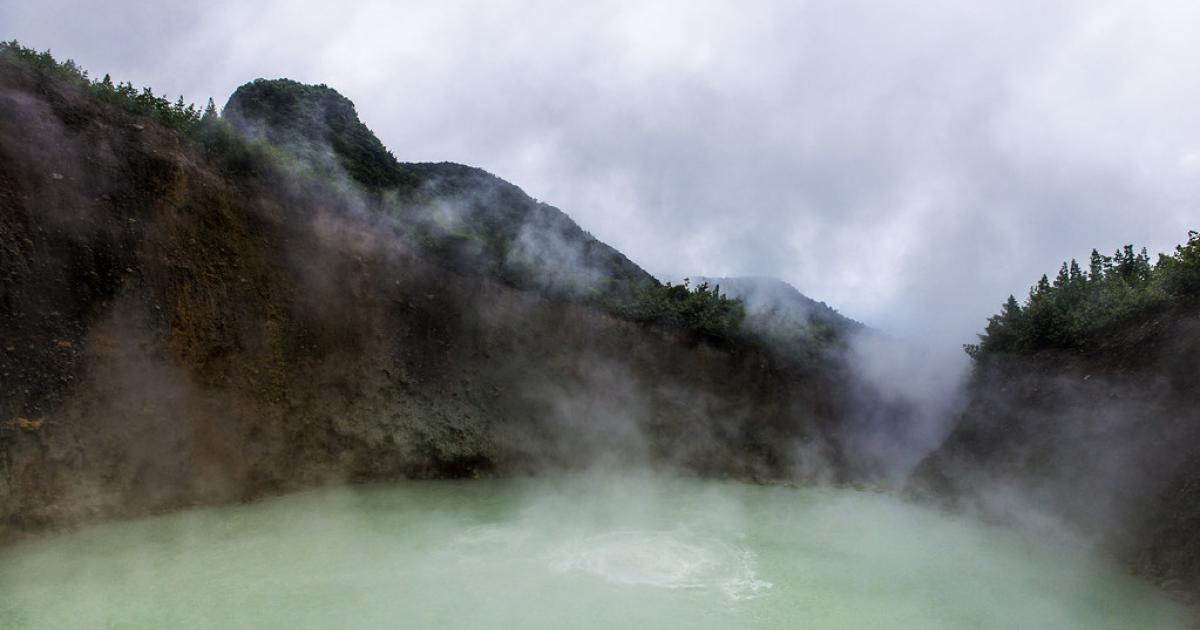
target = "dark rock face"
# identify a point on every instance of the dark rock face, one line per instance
(173, 335)
(1106, 440)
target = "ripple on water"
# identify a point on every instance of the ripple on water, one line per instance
(662, 559)
(573, 553)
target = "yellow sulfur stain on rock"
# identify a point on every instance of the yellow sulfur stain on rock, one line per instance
(26, 424)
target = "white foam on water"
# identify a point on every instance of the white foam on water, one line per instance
(745, 583)
(536, 556)
(662, 559)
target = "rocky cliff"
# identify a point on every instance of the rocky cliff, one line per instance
(1101, 441)
(187, 322)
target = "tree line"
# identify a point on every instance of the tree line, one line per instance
(701, 310)
(215, 138)
(1077, 305)
(175, 114)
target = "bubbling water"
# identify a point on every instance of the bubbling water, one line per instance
(663, 560)
(580, 552)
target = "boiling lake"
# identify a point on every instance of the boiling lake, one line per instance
(633, 551)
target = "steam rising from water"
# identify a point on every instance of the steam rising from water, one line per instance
(663, 559)
(583, 552)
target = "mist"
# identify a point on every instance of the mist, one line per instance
(971, 148)
(397, 339)
(588, 550)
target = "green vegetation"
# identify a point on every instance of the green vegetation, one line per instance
(176, 114)
(1078, 305)
(462, 218)
(215, 137)
(701, 310)
(317, 123)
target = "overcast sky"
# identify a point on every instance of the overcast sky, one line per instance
(909, 163)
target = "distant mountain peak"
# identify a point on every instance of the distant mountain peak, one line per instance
(780, 311)
(459, 216)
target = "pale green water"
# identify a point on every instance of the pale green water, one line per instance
(626, 552)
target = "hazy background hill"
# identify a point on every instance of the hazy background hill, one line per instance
(781, 312)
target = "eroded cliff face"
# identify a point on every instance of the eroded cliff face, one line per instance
(173, 335)
(1103, 442)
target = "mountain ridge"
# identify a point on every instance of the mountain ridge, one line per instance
(466, 218)
(193, 317)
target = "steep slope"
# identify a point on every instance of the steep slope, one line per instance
(1102, 440)
(321, 127)
(462, 217)
(191, 319)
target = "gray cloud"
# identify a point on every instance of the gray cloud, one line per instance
(909, 163)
